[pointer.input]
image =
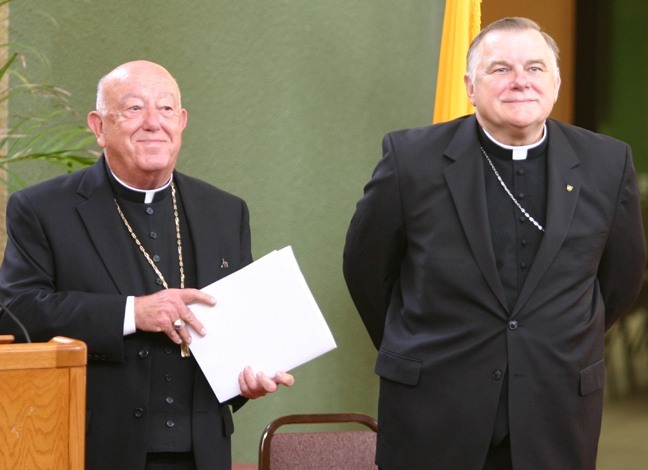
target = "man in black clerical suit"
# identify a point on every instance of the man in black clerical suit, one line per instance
(112, 255)
(487, 258)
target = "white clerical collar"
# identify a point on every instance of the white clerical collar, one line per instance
(149, 194)
(519, 151)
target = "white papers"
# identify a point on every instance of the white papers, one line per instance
(265, 317)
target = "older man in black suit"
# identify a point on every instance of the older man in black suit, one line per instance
(112, 255)
(487, 258)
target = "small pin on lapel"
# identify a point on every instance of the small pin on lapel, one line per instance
(569, 188)
(224, 264)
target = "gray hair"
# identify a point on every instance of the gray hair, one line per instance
(101, 106)
(513, 23)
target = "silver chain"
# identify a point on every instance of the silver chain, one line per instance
(499, 178)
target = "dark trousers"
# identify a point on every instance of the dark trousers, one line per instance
(170, 461)
(499, 456)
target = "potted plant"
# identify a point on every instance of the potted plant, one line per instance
(49, 138)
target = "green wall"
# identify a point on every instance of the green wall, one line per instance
(624, 110)
(288, 101)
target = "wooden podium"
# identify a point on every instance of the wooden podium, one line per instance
(42, 404)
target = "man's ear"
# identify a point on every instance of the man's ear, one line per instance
(470, 89)
(557, 82)
(95, 123)
(184, 116)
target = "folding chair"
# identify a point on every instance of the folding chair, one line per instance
(347, 449)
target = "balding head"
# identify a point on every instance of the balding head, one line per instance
(123, 72)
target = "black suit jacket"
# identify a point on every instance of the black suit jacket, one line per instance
(420, 266)
(65, 273)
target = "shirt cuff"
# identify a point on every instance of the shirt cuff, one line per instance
(129, 316)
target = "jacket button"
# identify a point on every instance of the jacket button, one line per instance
(143, 354)
(497, 375)
(512, 325)
(139, 412)
(170, 423)
(169, 400)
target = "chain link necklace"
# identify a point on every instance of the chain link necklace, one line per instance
(501, 181)
(184, 348)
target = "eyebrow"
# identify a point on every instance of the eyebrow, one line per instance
(496, 63)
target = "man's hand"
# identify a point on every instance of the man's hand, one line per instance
(157, 312)
(255, 386)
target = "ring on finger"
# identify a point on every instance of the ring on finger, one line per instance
(177, 324)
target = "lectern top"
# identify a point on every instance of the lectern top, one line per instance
(58, 352)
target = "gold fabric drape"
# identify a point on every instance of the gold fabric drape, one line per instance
(461, 23)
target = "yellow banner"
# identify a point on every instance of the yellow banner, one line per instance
(461, 23)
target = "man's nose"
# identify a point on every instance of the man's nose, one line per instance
(520, 79)
(151, 118)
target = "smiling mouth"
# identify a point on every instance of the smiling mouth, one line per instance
(521, 103)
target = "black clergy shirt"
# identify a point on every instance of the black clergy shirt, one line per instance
(515, 238)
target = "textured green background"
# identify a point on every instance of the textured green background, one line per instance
(288, 101)
(626, 98)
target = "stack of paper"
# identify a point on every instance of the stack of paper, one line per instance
(265, 317)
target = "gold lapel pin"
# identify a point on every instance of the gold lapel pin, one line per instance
(569, 188)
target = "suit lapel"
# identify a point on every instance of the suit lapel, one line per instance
(465, 179)
(204, 222)
(100, 218)
(563, 189)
